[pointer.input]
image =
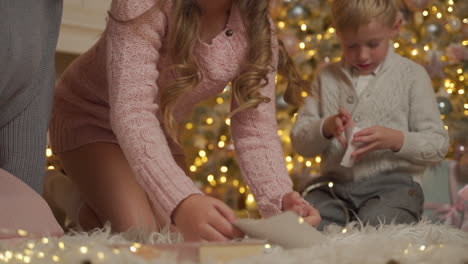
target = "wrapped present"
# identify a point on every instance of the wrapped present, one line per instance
(204, 252)
(451, 206)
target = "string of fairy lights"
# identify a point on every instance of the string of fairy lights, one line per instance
(102, 250)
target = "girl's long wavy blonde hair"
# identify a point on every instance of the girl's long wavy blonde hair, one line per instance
(184, 31)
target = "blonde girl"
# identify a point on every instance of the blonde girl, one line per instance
(119, 109)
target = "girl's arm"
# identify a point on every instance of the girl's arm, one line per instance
(133, 54)
(258, 146)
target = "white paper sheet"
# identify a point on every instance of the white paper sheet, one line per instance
(287, 230)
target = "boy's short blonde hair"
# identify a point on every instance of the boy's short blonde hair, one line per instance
(351, 14)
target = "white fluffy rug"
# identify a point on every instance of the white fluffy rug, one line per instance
(421, 243)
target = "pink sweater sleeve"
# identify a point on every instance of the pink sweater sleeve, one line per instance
(133, 54)
(259, 150)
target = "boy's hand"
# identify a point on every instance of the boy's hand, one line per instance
(293, 202)
(377, 138)
(334, 126)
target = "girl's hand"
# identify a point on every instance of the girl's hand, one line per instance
(334, 126)
(377, 138)
(201, 217)
(293, 202)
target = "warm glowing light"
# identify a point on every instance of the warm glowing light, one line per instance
(48, 152)
(414, 52)
(228, 121)
(281, 24)
(304, 94)
(210, 178)
(242, 190)
(189, 126)
(460, 71)
(223, 138)
(209, 120)
(330, 184)
(302, 45)
(224, 169)
(425, 13)
(439, 15)
(221, 144)
(301, 220)
(426, 48)
(83, 250)
(235, 183)
(202, 153)
(280, 132)
(303, 27)
(100, 255)
(250, 198)
(308, 163)
(318, 159)
(461, 91)
(223, 179)
(193, 168)
(396, 45)
(22, 232)
(219, 100)
(288, 158)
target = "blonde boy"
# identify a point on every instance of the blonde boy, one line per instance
(391, 100)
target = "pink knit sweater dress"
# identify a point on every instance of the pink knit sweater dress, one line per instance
(111, 94)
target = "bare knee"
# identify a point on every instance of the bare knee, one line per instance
(136, 219)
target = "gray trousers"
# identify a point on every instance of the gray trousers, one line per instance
(28, 37)
(385, 198)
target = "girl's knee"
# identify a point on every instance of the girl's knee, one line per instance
(134, 219)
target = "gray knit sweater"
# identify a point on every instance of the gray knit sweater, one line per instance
(28, 37)
(399, 97)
